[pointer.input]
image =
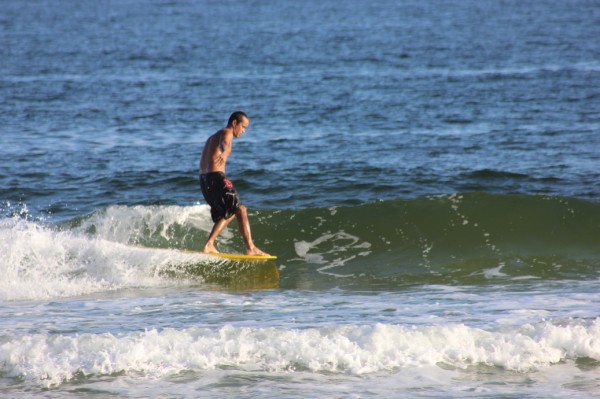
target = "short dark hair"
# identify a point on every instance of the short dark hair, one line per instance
(237, 116)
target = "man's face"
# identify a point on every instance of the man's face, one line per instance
(240, 127)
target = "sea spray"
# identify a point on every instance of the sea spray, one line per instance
(40, 262)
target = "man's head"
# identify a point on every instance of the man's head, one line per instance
(238, 121)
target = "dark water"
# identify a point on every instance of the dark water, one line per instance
(426, 171)
(109, 102)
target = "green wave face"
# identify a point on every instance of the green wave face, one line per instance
(470, 238)
(461, 239)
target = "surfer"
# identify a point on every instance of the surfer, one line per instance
(218, 191)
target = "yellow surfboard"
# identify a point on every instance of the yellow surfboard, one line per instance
(244, 257)
(231, 256)
(235, 271)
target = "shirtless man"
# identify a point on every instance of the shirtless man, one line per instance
(218, 191)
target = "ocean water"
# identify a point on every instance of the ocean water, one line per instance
(428, 173)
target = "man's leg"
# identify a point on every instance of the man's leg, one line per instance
(244, 226)
(218, 227)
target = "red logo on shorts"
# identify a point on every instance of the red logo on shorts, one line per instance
(228, 184)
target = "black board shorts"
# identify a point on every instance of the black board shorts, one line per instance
(220, 194)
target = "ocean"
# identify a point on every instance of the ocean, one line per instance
(427, 172)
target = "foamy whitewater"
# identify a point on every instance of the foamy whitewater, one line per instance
(426, 173)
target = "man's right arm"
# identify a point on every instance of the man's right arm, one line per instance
(215, 153)
(225, 146)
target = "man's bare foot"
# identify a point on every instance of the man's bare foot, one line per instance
(210, 249)
(255, 251)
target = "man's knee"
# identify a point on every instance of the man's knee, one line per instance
(241, 211)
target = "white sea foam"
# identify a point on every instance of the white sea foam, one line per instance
(332, 250)
(38, 262)
(125, 224)
(349, 349)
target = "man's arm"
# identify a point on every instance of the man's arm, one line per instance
(225, 146)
